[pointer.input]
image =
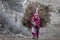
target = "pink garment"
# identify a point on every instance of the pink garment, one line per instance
(35, 20)
(33, 30)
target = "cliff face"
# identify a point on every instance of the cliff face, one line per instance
(11, 19)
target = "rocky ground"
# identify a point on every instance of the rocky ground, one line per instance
(13, 37)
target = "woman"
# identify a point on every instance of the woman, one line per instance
(35, 25)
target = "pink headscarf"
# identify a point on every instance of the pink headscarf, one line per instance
(35, 14)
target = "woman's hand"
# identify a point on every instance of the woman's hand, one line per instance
(34, 24)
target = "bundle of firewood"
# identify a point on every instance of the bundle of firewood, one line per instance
(43, 12)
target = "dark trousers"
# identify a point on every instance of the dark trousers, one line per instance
(37, 31)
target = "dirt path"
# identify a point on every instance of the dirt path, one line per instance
(10, 37)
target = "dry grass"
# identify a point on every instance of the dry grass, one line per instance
(43, 12)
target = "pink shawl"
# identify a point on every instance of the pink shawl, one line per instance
(36, 20)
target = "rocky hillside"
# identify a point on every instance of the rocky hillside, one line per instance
(11, 20)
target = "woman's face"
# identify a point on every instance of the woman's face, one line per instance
(36, 16)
